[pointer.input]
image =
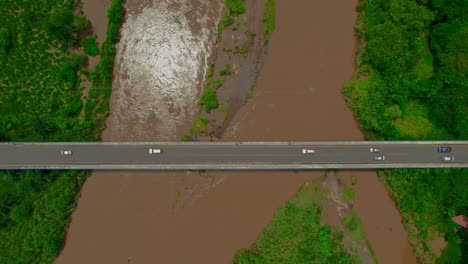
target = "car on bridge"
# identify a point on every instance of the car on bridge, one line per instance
(444, 149)
(374, 150)
(380, 158)
(66, 152)
(308, 151)
(448, 158)
(154, 151)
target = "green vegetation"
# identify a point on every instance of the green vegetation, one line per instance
(297, 235)
(41, 101)
(217, 83)
(209, 101)
(243, 49)
(235, 7)
(354, 226)
(268, 19)
(200, 126)
(411, 85)
(226, 71)
(62, 25)
(348, 194)
(90, 46)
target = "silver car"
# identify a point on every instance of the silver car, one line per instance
(374, 150)
(308, 151)
(154, 151)
(448, 158)
(66, 152)
(380, 158)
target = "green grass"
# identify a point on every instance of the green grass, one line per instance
(269, 20)
(199, 127)
(348, 194)
(354, 226)
(235, 7)
(297, 235)
(224, 112)
(225, 72)
(217, 83)
(209, 101)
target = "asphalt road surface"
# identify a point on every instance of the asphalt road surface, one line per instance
(247, 155)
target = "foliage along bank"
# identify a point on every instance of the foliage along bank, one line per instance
(410, 84)
(41, 101)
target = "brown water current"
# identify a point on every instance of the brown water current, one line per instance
(151, 217)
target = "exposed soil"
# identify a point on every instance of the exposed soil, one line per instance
(151, 217)
(241, 47)
(334, 211)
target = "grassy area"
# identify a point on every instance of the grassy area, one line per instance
(199, 127)
(41, 101)
(354, 226)
(296, 234)
(269, 19)
(234, 9)
(348, 194)
(410, 84)
(209, 101)
(225, 71)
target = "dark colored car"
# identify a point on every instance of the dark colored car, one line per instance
(444, 149)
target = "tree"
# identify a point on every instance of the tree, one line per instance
(5, 39)
(114, 13)
(80, 24)
(387, 48)
(90, 46)
(59, 26)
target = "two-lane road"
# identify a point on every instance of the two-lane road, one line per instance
(232, 155)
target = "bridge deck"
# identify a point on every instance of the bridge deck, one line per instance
(233, 155)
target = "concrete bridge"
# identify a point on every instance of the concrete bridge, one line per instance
(234, 155)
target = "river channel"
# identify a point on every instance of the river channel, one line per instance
(181, 217)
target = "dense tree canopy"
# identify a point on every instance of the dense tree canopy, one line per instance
(412, 85)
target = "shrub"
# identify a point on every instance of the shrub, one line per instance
(348, 194)
(209, 99)
(5, 39)
(80, 24)
(59, 26)
(114, 13)
(113, 33)
(90, 46)
(236, 7)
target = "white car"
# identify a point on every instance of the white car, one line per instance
(66, 152)
(448, 158)
(380, 158)
(308, 151)
(374, 150)
(154, 151)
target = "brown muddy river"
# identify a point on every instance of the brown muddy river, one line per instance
(151, 217)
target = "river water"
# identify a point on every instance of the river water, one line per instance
(151, 217)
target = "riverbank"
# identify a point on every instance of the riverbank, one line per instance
(44, 50)
(407, 82)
